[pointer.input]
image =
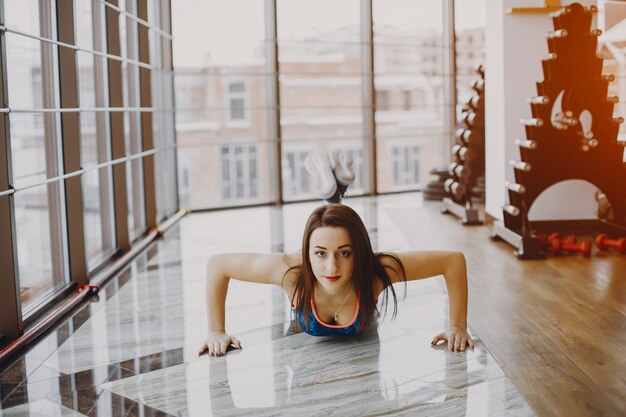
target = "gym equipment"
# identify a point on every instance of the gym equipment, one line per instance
(604, 244)
(468, 167)
(572, 135)
(559, 246)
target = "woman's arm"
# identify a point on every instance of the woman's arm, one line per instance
(422, 264)
(250, 267)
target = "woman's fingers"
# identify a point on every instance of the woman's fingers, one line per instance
(438, 338)
(457, 341)
(463, 343)
(218, 346)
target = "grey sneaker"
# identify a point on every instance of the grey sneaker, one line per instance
(319, 166)
(343, 169)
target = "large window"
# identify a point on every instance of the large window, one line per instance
(221, 84)
(95, 133)
(294, 76)
(612, 20)
(320, 79)
(162, 100)
(409, 80)
(129, 42)
(89, 102)
(35, 145)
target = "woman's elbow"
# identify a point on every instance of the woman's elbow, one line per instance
(457, 260)
(459, 256)
(214, 265)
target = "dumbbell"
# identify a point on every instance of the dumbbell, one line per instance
(455, 188)
(571, 239)
(459, 134)
(462, 172)
(559, 246)
(552, 237)
(604, 243)
(455, 151)
(474, 102)
(466, 154)
(469, 118)
(478, 85)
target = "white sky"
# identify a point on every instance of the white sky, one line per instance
(230, 30)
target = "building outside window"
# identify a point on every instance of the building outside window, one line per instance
(298, 178)
(406, 100)
(382, 100)
(406, 163)
(237, 103)
(239, 172)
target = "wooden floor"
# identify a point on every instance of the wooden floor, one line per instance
(557, 327)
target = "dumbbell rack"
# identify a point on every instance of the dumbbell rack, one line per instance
(572, 134)
(469, 157)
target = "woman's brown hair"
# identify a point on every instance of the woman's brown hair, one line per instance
(367, 264)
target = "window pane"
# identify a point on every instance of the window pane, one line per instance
(611, 19)
(84, 24)
(18, 15)
(221, 101)
(132, 128)
(470, 43)
(409, 79)
(237, 109)
(97, 189)
(28, 150)
(237, 87)
(98, 235)
(320, 83)
(24, 70)
(38, 244)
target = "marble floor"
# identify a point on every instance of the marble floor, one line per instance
(132, 351)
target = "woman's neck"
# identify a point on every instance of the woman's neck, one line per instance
(340, 293)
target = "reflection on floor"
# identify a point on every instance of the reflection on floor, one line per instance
(133, 351)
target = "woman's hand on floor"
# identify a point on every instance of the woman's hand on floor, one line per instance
(217, 344)
(457, 339)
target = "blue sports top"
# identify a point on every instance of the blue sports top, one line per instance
(316, 327)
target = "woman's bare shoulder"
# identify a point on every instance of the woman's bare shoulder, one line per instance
(292, 262)
(293, 259)
(379, 286)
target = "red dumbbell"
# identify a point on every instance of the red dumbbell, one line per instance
(570, 239)
(552, 237)
(559, 246)
(604, 243)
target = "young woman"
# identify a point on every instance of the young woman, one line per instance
(334, 283)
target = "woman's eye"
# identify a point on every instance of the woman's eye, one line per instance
(319, 253)
(345, 254)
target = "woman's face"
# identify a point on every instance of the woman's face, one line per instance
(332, 257)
